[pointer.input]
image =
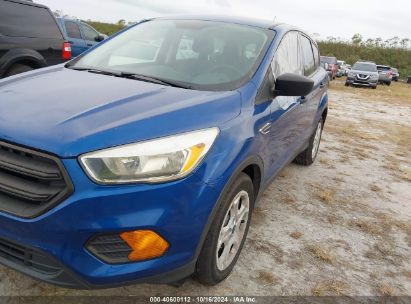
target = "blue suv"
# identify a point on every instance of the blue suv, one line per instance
(80, 35)
(143, 159)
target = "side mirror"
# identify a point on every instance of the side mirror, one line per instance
(100, 37)
(293, 85)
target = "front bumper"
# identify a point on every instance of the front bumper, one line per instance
(177, 210)
(362, 82)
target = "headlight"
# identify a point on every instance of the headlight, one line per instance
(151, 161)
(351, 74)
(374, 77)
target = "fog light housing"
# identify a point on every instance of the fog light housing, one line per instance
(130, 246)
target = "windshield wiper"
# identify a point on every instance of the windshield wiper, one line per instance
(128, 75)
(167, 82)
(96, 71)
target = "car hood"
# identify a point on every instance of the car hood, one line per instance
(364, 72)
(69, 112)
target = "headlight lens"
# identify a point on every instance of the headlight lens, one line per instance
(351, 74)
(152, 161)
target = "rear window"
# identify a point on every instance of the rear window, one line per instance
(367, 67)
(21, 20)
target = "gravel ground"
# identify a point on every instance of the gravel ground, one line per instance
(339, 227)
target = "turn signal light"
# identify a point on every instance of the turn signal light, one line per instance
(145, 244)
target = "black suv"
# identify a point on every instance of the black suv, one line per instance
(29, 38)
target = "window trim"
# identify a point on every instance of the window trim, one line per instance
(312, 52)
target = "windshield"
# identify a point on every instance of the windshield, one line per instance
(365, 67)
(202, 54)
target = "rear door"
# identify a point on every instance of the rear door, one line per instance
(90, 35)
(78, 45)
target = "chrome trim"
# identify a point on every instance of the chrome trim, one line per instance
(266, 128)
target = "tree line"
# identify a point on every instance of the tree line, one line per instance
(394, 52)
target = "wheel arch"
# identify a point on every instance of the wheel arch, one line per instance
(21, 56)
(253, 166)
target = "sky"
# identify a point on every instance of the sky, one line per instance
(337, 18)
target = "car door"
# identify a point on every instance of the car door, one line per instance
(78, 45)
(286, 124)
(309, 104)
(89, 34)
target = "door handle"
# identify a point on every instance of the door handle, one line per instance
(322, 85)
(89, 44)
(266, 128)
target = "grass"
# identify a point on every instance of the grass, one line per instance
(385, 289)
(267, 278)
(371, 227)
(385, 252)
(288, 199)
(375, 188)
(329, 288)
(296, 235)
(397, 93)
(325, 196)
(321, 253)
(268, 248)
(407, 274)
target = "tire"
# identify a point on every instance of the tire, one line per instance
(388, 83)
(210, 268)
(374, 87)
(18, 69)
(347, 84)
(307, 157)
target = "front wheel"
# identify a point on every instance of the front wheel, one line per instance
(307, 157)
(227, 234)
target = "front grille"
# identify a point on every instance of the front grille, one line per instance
(110, 248)
(28, 258)
(30, 182)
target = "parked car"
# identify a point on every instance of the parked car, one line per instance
(138, 164)
(332, 65)
(395, 74)
(324, 65)
(81, 36)
(29, 38)
(363, 73)
(385, 74)
(340, 73)
(342, 68)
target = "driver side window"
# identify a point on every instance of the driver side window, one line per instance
(287, 58)
(89, 33)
